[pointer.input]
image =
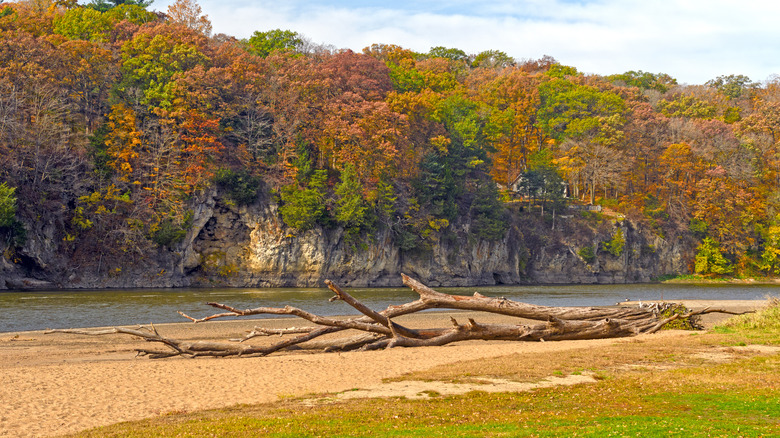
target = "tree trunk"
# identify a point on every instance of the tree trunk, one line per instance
(380, 331)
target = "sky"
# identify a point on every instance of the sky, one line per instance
(691, 40)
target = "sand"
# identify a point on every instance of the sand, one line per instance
(53, 384)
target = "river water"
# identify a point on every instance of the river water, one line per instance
(22, 311)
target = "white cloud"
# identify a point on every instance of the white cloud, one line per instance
(693, 40)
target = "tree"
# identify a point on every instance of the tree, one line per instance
(352, 212)
(568, 110)
(543, 181)
(188, 13)
(448, 53)
(731, 86)
(681, 169)
(731, 212)
(511, 98)
(89, 73)
(7, 205)
(151, 60)
(84, 24)
(770, 257)
(687, 106)
(134, 13)
(492, 59)
(616, 245)
(106, 5)
(646, 135)
(303, 202)
(264, 43)
(709, 259)
(488, 215)
(660, 82)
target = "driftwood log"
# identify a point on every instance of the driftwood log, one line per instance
(380, 331)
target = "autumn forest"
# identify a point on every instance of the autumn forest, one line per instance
(115, 118)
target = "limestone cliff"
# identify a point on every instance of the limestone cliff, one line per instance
(250, 246)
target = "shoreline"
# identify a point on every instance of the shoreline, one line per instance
(60, 383)
(692, 279)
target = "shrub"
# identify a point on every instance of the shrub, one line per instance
(168, 232)
(587, 254)
(616, 245)
(239, 186)
(7, 205)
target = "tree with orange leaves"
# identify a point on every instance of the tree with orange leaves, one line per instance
(188, 13)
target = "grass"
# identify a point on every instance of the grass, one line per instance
(712, 279)
(761, 328)
(671, 385)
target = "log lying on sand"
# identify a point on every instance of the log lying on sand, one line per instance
(380, 331)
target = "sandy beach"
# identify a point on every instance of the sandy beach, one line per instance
(53, 384)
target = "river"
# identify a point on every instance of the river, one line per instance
(22, 311)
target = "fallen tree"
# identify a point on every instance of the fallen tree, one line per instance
(380, 331)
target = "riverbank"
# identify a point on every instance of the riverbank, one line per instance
(700, 279)
(55, 384)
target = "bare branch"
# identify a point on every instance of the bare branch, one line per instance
(379, 331)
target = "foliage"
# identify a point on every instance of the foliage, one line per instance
(615, 245)
(561, 71)
(698, 227)
(264, 43)
(188, 13)
(83, 24)
(240, 186)
(770, 258)
(302, 208)
(764, 324)
(436, 187)
(352, 212)
(112, 99)
(487, 213)
(168, 232)
(134, 13)
(448, 53)
(587, 253)
(492, 59)
(710, 260)
(543, 183)
(731, 86)
(7, 205)
(151, 60)
(107, 5)
(6, 11)
(686, 106)
(660, 82)
(568, 110)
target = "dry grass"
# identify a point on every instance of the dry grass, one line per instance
(669, 350)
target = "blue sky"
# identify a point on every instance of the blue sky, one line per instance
(691, 40)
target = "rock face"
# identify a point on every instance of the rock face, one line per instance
(250, 246)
